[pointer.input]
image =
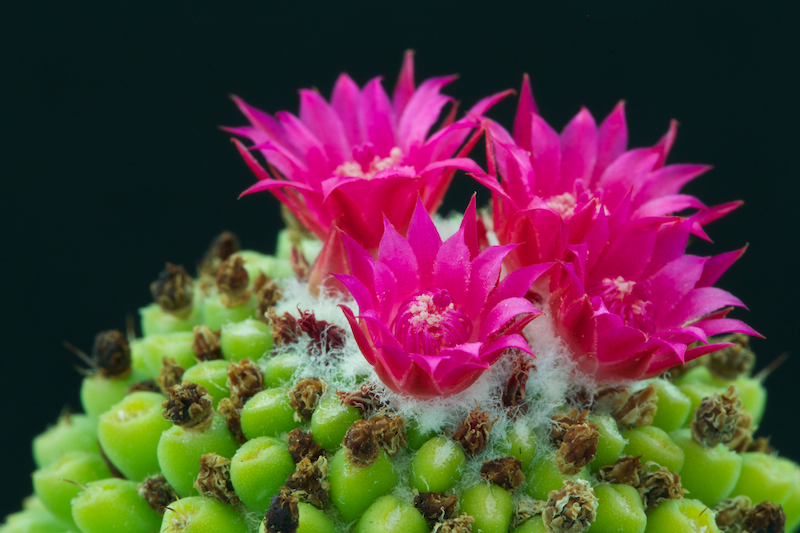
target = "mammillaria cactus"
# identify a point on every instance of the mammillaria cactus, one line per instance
(386, 371)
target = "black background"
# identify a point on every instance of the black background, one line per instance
(112, 162)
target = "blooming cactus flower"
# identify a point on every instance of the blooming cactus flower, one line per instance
(547, 177)
(432, 315)
(350, 162)
(635, 305)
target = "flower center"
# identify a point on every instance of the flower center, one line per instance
(629, 300)
(563, 204)
(428, 322)
(366, 163)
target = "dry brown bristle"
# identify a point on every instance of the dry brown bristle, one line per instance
(232, 416)
(222, 247)
(303, 397)
(188, 405)
(157, 493)
(473, 432)
(282, 515)
(173, 290)
(171, 374)
(111, 354)
(232, 281)
(731, 514)
(436, 506)
(361, 446)
(571, 509)
(205, 343)
(214, 479)
(722, 419)
(309, 482)
(505, 472)
(245, 380)
(302, 445)
(514, 393)
(390, 429)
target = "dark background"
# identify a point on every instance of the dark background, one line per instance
(112, 162)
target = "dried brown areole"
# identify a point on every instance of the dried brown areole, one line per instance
(309, 482)
(505, 472)
(232, 281)
(722, 419)
(171, 374)
(157, 493)
(188, 405)
(303, 397)
(514, 392)
(473, 432)
(572, 509)
(301, 445)
(205, 343)
(629, 409)
(365, 399)
(765, 517)
(283, 515)
(232, 415)
(459, 524)
(324, 336)
(390, 428)
(731, 363)
(361, 446)
(221, 248)
(732, 513)
(111, 354)
(173, 291)
(268, 293)
(436, 506)
(214, 479)
(245, 380)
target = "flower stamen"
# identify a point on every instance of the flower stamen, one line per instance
(429, 321)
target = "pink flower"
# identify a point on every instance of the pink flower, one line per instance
(547, 177)
(350, 162)
(433, 316)
(630, 303)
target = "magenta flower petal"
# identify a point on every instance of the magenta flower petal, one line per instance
(612, 140)
(428, 330)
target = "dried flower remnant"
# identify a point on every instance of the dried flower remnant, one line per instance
(147, 385)
(111, 354)
(309, 482)
(300, 265)
(459, 524)
(173, 290)
(578, 448)
(304, 397)
(505, 472)
(214, 479)
(473, 432)
(514, 393)
(361, 446)
(170, 375)
(301, 445)
(722, 419)
(189, 405)
(526, 509)
(436, 506)
(232, 282)
(324, 336)
(205, 343)
(268, 293)
(232, 416)
(765, 517)
(626, 470)
(658, 485)
(390, 428)
(157, 493)
(731, 514)
(571, 509)
(761, 445)
(629, 409)
(365, 399)
(221, 248)
(283, 515)
(563, 421)
(245, 380)
(734, 361)
(284, 328)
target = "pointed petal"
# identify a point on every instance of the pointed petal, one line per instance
(451, 270)
(396, 253)
(375, 115)
(425, 241)
(578, 151)
(324, 123)
(361, 338)
(421, 112)
(522, 120)
(404, 89)
(717, 265)
(546, 157)
(346, 101)
(612, 140)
